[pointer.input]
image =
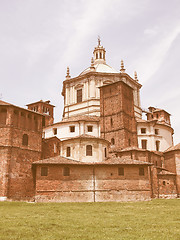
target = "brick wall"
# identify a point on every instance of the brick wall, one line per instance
(117, 115)
(16, 155)
(88, 183)
(50, 147)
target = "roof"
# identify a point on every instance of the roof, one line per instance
(156, 110)
(86, 136)
(51, 138)
(77, 119)
(165, 172)
(2, 103)
(100, 67)
(127, 149)
(82, 118)
(41, 101)
(173, 148)
(114, 150)
(111, 161)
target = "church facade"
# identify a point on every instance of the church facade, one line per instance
(102, 150)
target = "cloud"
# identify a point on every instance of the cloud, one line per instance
(152, 59)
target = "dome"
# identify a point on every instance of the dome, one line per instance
(101, 68)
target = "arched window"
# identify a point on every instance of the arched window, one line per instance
(25, 140)
(100, 55)
(88, 150)
(68, 152)
(96, 55)
(112, 141)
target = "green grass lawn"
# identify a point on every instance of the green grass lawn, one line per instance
(157, 219)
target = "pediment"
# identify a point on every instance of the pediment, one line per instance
(79, 86)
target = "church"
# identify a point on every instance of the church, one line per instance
(103, 149)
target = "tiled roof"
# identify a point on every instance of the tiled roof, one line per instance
(165, 172)
(110, 161)
(2, 103)
(86, 136)
(41, 101)
(50, 138)
(5, 103)
(82, 118)
(173, 148)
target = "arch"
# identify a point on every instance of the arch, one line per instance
(89, 150)
(68, 152)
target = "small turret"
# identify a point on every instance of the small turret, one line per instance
(99, 53)
(135, 76)
(67, 74)
(122, 70)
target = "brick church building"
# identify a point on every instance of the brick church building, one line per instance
(103, 149)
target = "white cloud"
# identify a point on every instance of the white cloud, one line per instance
(153, 58)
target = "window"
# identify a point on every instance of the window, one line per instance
(55, 131)
(144, 144)
(121, 171)
(68, 152)
(112, 141)
(156, 131)
(3, 115)
(157, 115)
(111, 122)
(72, 128)
(105, 152)
(55, 148)
(88, 150)
(25, 140)
(66, 171)
(164, 183)
(89, 128)
(141, 171)
(100, 55)
(79, 95)
(143, 130)
(129, 142)
(15, 112)
(157, 145)
(44, 171)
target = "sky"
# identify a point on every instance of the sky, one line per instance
(40, 38)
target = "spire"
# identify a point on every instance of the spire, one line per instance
(67, 75)
(99, 53)
(135, 76)
(122, 70)
(99, 41)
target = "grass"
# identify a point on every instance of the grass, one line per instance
(157, 219)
